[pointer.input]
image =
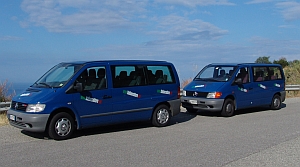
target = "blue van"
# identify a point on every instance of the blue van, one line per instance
(79, 95)
(228, 87)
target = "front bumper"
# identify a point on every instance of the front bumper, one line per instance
(28, 121)
(214, 105)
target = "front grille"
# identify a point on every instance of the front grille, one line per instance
(196, 94)
(18, 106)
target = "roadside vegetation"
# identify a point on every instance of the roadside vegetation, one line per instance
(4, 97)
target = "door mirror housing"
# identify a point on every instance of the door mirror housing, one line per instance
(78, 87)
(238, 81)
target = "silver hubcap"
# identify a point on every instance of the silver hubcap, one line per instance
(276, 102)
(162, 116)
(63, 127)
(229, 108)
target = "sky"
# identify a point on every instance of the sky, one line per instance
(35, 35)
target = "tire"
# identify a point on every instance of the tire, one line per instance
(191, 110)
(276, 102)
(61, 126)
(228, 108)
(161, 116)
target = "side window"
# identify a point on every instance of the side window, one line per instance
(125, 76)
(243, 73)
(160, 75)
(93, 78)
(274, 73)
(260, 74)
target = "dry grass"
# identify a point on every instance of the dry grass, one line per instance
(3, 119)
(291, 94)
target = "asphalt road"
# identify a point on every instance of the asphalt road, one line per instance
(254, 137)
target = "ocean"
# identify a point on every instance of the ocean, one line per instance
(17, 88)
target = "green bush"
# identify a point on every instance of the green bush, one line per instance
(292, 73)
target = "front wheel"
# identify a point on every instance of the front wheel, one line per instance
(61, 126)
(276, 102)
(161, 116)
(228, 108)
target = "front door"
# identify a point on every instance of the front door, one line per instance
(244, 92)
(94, 103)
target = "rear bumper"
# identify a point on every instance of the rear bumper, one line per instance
(27, 121)
(175, 106)
(214, 105)
(283, 94)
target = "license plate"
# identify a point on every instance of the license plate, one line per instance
(12, 117)
(193, 101)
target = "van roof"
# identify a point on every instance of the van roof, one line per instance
(118, 62)
(241, 64)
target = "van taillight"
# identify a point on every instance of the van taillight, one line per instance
(178, 92)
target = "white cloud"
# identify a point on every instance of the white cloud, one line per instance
(175, 27)
(10, 38)
(193, 3)
(290, 10)
(259, 1)
(80, 16)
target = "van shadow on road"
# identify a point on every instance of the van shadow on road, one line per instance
(180, 118)
(238, 112)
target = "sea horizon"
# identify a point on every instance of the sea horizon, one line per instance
(17, 88)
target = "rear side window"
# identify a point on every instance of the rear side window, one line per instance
(126, 76)
(160, 75)
(266, 73)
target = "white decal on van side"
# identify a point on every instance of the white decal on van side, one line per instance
(262, 86)
(90, 99)
(128, 92)
(243, 90)
(277, 85)
(166, 92)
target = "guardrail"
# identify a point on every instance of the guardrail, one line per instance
(4, 106)
(292, 87)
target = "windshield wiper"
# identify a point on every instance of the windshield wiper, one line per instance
(47, 85)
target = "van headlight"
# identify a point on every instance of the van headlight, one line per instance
(214, 95)
(35, 107)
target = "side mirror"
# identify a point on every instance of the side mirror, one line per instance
(78, 87)
(238, 81)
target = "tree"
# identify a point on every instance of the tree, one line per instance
(282, 61)
(264, 59)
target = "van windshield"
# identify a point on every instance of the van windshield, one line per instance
(58, 76)
(216, 73)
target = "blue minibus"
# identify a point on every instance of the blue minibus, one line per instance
(79, 95)
(228, 87)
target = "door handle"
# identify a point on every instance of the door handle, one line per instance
(106, 97)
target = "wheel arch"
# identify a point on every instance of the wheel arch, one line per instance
(232, 98)
(66, 110)
(161, 103)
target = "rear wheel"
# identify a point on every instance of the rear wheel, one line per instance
(228, 108)
(276, 102)
(161, 116)
(61, 126)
